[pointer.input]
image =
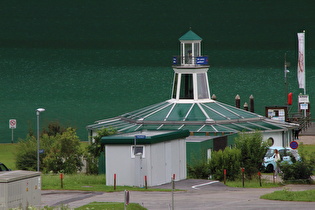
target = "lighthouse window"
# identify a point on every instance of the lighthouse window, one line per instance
(175, 85)
(202, 86)
(196, 49)
(188, 53)
(186, 87)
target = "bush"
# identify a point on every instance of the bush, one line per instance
(65, 153)
(200, 170)
(26, 155)
(62, 152)
(94, 150)
(299, 171)
(228, 159)
(253, 150)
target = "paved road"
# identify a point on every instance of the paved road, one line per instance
(204, 195)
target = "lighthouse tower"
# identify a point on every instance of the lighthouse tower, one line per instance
(190, 71)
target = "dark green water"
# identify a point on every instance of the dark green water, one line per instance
(88, 60)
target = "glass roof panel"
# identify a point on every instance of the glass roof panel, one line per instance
(196, 114)
(179, 112)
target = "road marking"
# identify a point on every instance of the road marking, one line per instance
(200, 185)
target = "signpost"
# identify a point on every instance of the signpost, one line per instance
(12, 126)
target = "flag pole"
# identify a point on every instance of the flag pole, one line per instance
(304, 65)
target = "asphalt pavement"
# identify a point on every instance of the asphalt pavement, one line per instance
(194, 194)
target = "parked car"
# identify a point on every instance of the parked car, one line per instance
(4, 168)
(286, 155)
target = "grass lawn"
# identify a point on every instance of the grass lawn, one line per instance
(7, 155)
(109, 205)
(85, 183)
(286, 195)
(253, 184)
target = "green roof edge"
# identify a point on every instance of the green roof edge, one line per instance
(118, 139)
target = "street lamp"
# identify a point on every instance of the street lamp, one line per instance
(38, 111)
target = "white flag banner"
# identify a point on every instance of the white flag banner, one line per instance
(301, 60)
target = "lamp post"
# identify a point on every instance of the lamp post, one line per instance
(38, 111)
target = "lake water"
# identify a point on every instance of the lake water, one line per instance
(88, 60)
(80, 86)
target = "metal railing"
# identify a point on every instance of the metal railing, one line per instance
(190, 61)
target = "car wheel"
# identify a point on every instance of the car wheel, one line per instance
(269, 168)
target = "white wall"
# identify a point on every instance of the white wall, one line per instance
(280, 139)
(161, 161)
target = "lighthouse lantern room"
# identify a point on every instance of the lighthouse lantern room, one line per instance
(190, 71)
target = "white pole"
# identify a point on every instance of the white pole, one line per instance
(38, 111)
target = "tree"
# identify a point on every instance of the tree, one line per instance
(65, 153)
(62, 151)
(253, 150)
(94, 150)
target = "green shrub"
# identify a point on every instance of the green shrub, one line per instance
(62, 152)
(200, 170)
(253, 150)
(26, 155)
(228, 159)
(94, 150)
(65, 153)
(299, 171)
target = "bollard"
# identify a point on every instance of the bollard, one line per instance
(237, 101)
(259, 176)
(145, 182)
(251, 103)
(61, 180)
(224, 174)
(243, 176)
(173, 188)
(274, 176)
(114, 181)
(127, 195)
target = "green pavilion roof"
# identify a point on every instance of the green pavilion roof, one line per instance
(210, 118)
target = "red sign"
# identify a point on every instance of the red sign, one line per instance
(12, 123)
(294, 144)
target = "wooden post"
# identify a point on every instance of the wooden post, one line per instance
(61, 180)
(259, 176)
(251, 103)
(224, 173)
(243, 176)
(114, 181)
(237, 101)
(245, 106)
(145, 182)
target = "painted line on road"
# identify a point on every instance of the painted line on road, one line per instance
(200, 185)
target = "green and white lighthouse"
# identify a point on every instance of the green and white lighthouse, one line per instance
(190, 71)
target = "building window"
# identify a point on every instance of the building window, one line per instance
(175, 85)
(186, 87)
(202, 86)
(209, 152)
(270, 141)
(137, 149)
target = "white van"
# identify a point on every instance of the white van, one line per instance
(285, 156)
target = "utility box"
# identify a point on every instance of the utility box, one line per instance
(20, 189)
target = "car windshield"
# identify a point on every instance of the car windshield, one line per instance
(269, 153)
